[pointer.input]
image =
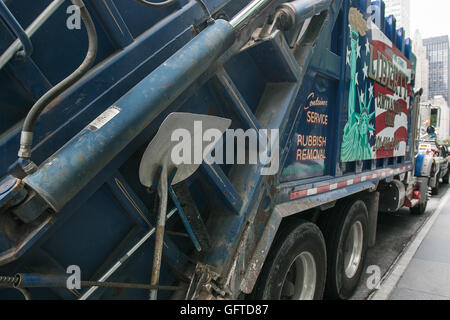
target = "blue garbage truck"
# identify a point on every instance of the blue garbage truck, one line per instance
(201, 149)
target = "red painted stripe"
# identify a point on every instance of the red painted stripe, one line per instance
(299, 194)
(323, 189)
(342, 184)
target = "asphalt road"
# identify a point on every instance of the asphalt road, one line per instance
(394, 233)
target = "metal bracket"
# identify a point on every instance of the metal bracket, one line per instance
(190, 215)
(17, 29)
(202, 284)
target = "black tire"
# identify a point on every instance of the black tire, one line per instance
(419, 210)
(342, 276)
(446, 178)
(302, 238)
(435, 191)
(423, 202)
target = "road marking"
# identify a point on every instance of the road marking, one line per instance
(395, 273)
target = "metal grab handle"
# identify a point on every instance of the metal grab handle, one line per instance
(34, 26)
(17, 29)
(304, 9)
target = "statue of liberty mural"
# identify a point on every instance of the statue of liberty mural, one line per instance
(355, 144)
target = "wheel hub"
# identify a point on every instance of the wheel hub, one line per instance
(353, 250)
(300, 282)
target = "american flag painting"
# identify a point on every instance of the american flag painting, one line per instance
(378, 94)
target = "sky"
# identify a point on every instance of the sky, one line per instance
(431, 17)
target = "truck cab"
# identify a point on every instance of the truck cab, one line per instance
(439, 171)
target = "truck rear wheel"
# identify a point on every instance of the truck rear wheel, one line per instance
(296, 266)
(346, 238)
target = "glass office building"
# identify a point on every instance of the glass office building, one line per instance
(438, 57)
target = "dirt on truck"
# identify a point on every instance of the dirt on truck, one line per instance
(208, 149)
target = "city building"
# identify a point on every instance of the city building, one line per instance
(438, 57)
(422, 66)
(401, 9)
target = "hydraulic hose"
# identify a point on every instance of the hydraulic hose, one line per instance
(30, 121)
(157, 4)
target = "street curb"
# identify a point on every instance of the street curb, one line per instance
(391, 280)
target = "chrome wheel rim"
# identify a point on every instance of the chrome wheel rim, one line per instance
(300, 281)
(353, 250)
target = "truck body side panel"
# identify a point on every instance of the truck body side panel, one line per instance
(318, 94)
